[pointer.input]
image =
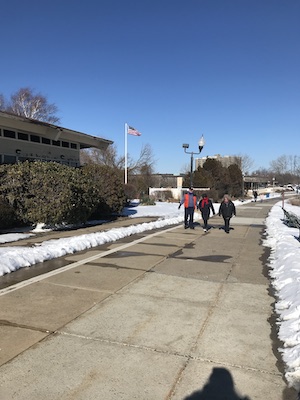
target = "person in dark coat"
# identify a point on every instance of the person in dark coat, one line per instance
(255, 194)
(227, 210)
(190, 203)
(205, 206)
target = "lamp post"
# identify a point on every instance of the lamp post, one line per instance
(243, 187)
(201, 144)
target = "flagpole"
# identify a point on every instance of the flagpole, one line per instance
(126, 129)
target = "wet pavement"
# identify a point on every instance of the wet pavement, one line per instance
(41, 268)
(172, 314)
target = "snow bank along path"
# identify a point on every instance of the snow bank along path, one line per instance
(13, 258)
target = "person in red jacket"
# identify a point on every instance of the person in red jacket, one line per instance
(205, 205)
(190, 203)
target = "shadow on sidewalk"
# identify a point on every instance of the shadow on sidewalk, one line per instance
(219, 386)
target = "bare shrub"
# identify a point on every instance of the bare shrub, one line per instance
(295, 202)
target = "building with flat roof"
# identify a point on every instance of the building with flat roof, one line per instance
(225, 160)
(24, 139)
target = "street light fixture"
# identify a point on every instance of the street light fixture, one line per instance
(201, 144)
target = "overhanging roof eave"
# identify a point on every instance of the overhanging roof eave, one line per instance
(59, 132)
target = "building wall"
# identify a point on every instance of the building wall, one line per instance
(177, 192)
(165, 180)
(21, 145)
(28, 139)
(159, 192)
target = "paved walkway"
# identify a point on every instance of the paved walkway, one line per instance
(176, 314)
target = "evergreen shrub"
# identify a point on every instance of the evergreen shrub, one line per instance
(51, 193)
(147, 200)
(8, 218)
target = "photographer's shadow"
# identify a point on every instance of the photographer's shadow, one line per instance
(220, 386)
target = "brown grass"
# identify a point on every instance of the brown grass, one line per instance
(295, 201)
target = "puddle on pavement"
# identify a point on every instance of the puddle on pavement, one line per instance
(23, 274)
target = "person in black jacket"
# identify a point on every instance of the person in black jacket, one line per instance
(227, 210)
(205, 205)
(255, 194)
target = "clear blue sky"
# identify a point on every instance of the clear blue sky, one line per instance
(173, 69)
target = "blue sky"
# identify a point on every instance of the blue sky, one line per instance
(227, 69)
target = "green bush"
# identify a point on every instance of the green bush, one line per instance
(52, 193)
(147, 200)
(8, 218)
(131, 192)
(105, 188)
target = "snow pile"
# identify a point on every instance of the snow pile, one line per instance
(285, 274)
(12, 237)
(13, 258)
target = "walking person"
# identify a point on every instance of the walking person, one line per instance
(255, 194)
(205, 206)
(227, 210)
(190, 203)
(261, 197)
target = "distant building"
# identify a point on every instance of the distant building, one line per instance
(255, 182)
(166, 180)
(27, 139)
(225, 160)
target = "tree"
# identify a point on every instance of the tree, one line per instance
(280, 165)
(108, 157)
(262, 172)
(2, 102)
(219, 179)
(236, 180)
(245, 163)
(286, 165)
(140, 171)
(146, 158)
(27, 104)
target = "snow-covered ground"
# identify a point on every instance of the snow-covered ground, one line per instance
(13, 258)
(284, 263)
(285, 274)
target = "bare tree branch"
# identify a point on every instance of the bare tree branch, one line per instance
(2, 102)
(35, 106)
(145, 159)
(108, 157)
(245, 162)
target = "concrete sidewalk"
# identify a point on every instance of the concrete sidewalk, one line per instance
(178, 314)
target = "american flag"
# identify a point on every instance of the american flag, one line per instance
(133, 131)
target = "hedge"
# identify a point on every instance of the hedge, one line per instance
(51, 193)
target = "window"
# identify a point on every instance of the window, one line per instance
(10, 134)
(65, 144)
(35, 138)
(55, 142)
(46, 141)
(22, 136)
(22, 159)
(9, 159)
(73, 146)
